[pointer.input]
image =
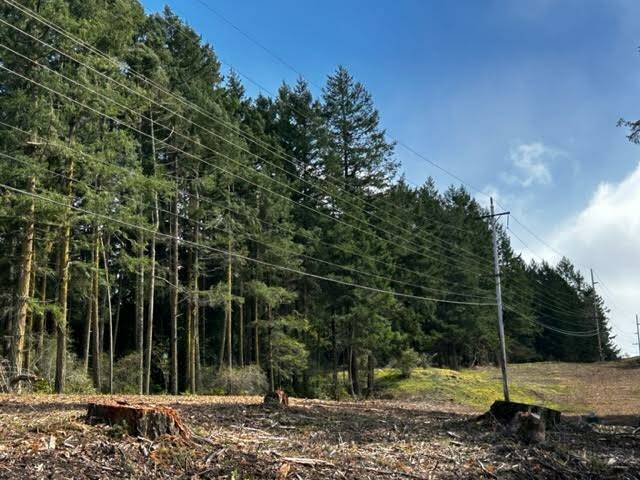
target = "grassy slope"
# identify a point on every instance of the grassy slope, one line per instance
(607, 388)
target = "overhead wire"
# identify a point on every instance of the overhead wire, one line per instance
(204, 146)
(436, 165)
(190, 104)
(240, 177)
(404, 145)
(533, 321)
(235, 254)
(198, 223)
(208, 200)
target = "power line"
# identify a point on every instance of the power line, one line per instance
(438, 167)
(199, 144)
(583, 333)
(197, 108)
(206, 199)
(415, 153)
(237, 255)
(223, 229)
(402, 144)
(240, 177)
(253, 40)
(170, 146)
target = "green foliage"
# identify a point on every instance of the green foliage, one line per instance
(290, 354)
(125, 374)
(407, 361)
(77, 381)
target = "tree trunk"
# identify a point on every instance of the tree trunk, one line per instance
(334, 356)
(29, 327)
(116, 326)
(270, 345)
(188, 326)
(10, 318)
(147, 421)
(194, 316)
(229, 314)
(196, 345)
(229, 287)
(256, 336)
(95, 300)
(24, 283)
(109, 313)
(354, 367)
(152, 273)
(370, 374)
(140, 314)
(42, 315)
(241, 325)
(202, 336)
(174, 286)
(151, 300)
(223, 342)
(103, 321)
(87, 336)
(63, 285)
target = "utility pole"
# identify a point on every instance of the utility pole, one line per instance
(595, 317)
(638, 334)
(496, 272)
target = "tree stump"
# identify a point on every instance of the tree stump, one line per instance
(528, 427)
(505, 412)
(148, 421)
(277, 398)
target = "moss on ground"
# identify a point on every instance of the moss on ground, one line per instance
(477, 388)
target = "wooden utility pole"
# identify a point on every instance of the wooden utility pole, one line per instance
(595, 317)
(496, 272)
(638, 334)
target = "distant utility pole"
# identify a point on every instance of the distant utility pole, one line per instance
(638, 334)
(595, 317)
(496, 272)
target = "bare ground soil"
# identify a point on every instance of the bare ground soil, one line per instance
(45, 436)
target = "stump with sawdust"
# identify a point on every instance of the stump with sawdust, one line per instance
(506, 412)
(149, 421)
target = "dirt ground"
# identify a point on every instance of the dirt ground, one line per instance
(46, 437)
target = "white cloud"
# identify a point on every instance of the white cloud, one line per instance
(605, 235)
(531, 161)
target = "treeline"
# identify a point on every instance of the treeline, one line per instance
(151, 211)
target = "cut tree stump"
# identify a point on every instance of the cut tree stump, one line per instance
(506, 412)
(149, 421)
(277, 398)
(528, 427)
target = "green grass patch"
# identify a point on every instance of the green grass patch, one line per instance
(477, 388)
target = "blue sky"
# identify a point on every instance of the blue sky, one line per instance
(518, 98)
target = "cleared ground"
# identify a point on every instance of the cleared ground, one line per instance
(46, 437)
(608, 389)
